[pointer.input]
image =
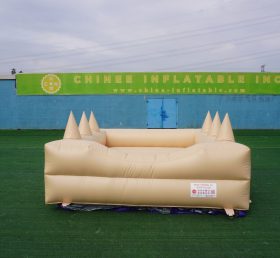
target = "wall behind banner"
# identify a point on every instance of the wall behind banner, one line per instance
(119, 111)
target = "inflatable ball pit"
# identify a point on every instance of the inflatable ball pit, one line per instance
(200, 168)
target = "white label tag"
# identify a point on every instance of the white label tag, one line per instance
(204, 190)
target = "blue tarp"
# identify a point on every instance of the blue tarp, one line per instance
(160, 210)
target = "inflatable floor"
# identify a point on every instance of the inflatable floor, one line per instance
(188, 168)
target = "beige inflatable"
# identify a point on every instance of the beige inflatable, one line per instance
(202, 168)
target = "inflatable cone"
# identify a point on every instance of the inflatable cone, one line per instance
(71, 130)
(214, 130)
(84, 126)
(207, 123)
(93, 123)
(226, 133)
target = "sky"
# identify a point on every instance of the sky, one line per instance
(40, 36)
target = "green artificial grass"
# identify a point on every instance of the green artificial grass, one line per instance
(29, 228)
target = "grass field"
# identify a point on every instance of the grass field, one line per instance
(28, 228)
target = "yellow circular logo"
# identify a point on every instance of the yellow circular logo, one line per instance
(51, 83)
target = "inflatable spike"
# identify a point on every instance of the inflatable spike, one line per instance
(214, 130)
(207, 123)
(226, 133)
(93, 123)
(72, 130)
(84, 126)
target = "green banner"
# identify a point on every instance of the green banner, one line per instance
(148, 83)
